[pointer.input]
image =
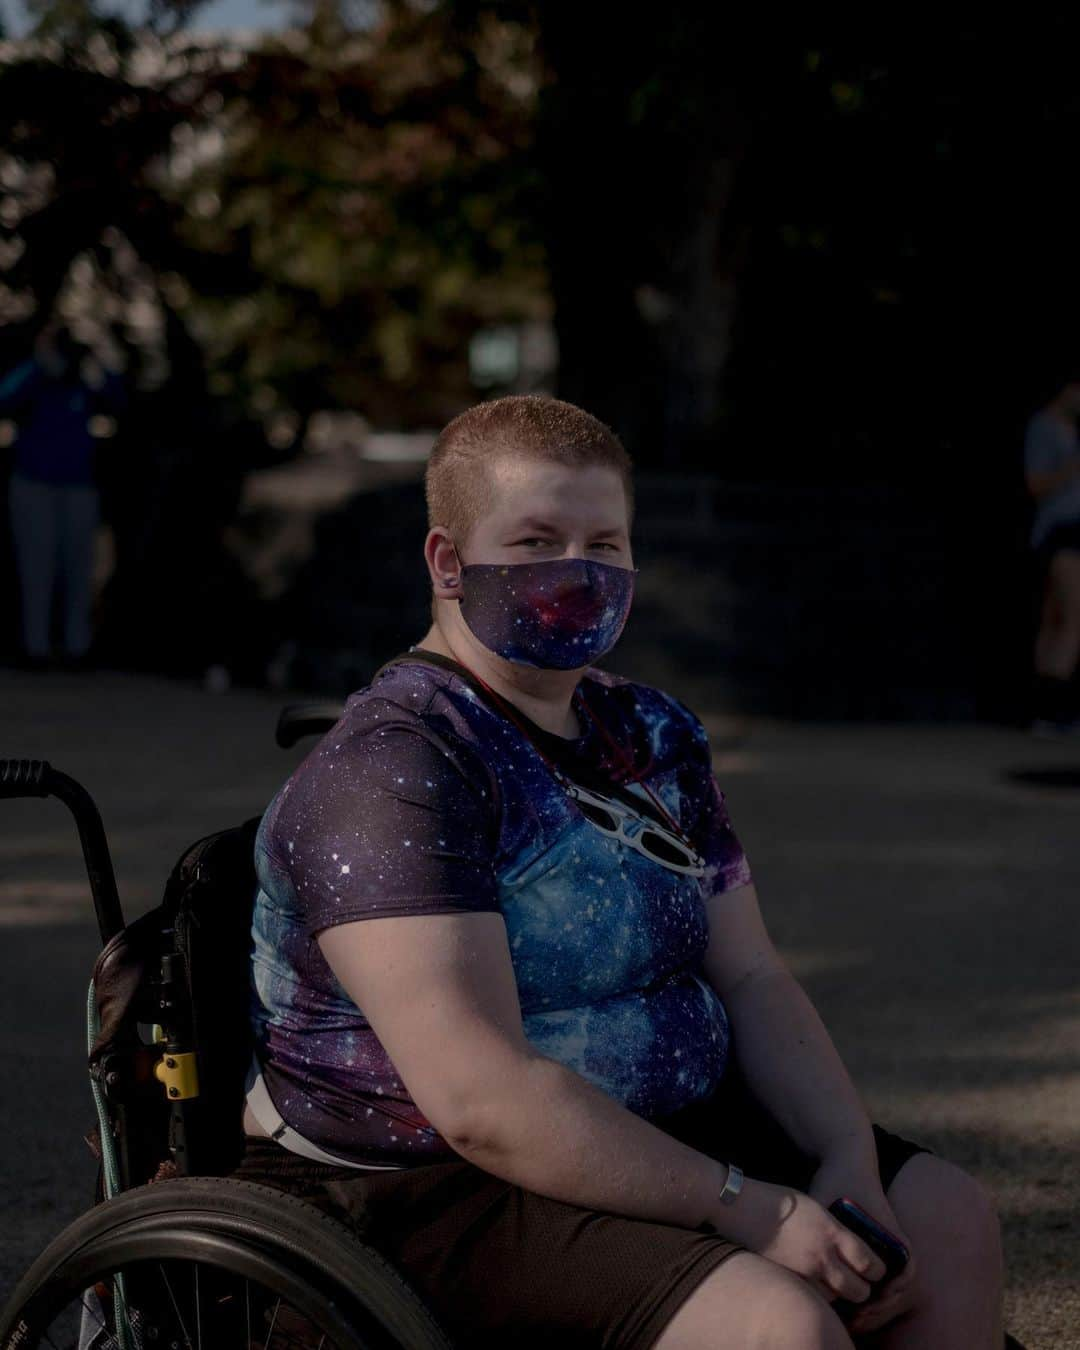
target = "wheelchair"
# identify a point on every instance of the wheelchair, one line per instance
(175, 1252)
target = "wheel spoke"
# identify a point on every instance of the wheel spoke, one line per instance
(277, 1309)
(99, 1313)
(176, 1307)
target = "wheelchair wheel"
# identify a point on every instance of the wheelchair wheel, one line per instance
(215, 1263)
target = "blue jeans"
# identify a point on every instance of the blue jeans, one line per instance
(52, 528)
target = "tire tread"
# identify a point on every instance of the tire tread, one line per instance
(369, 1276)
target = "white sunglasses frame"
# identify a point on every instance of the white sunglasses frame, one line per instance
(696, 868)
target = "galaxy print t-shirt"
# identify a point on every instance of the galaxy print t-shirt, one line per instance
(424, 799)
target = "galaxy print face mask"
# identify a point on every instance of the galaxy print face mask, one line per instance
(558, 614)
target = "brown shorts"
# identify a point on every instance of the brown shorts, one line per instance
(494, 1261)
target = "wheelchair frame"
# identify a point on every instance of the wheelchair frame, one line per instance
(244, 1226)
(176, 1068)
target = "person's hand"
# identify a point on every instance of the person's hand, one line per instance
(858, 1180)
(794, 1230)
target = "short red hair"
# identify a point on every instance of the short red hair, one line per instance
(519, 426)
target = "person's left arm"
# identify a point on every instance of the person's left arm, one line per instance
(785, 1053)
(792, 1067)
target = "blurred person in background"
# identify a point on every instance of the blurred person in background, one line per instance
(52, 493)
(1052, 475)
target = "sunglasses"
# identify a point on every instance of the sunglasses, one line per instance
(653, 841)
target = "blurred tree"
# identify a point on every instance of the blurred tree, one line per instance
(321, 220)
(371, 202)
(739, 228)
(644, 124)
(796, 251)
(332, 212)
(912, 277)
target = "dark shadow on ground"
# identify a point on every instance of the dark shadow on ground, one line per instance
(1055, 776)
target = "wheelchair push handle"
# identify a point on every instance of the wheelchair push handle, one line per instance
(305, 719)
(24, 777)
(37, 778)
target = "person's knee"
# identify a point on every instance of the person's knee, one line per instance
(978, 1220)
(751, 1303)
(953, 1218)
(798, 1318)
(966, 1207)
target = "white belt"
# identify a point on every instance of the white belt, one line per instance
(266, 1113)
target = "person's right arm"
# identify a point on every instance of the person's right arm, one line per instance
(439, 992)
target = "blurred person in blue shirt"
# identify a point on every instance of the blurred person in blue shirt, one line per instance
(52, 495)
(1052, 475)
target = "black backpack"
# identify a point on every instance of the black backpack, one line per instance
(184, 965)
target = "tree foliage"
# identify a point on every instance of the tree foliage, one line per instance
(328, 215)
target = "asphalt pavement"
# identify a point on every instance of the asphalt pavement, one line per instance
(918, 881)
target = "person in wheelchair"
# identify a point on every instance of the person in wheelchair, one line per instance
(517, 1014)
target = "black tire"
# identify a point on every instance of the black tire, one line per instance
(347, 1289)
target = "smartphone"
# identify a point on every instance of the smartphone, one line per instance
(880, 1241)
